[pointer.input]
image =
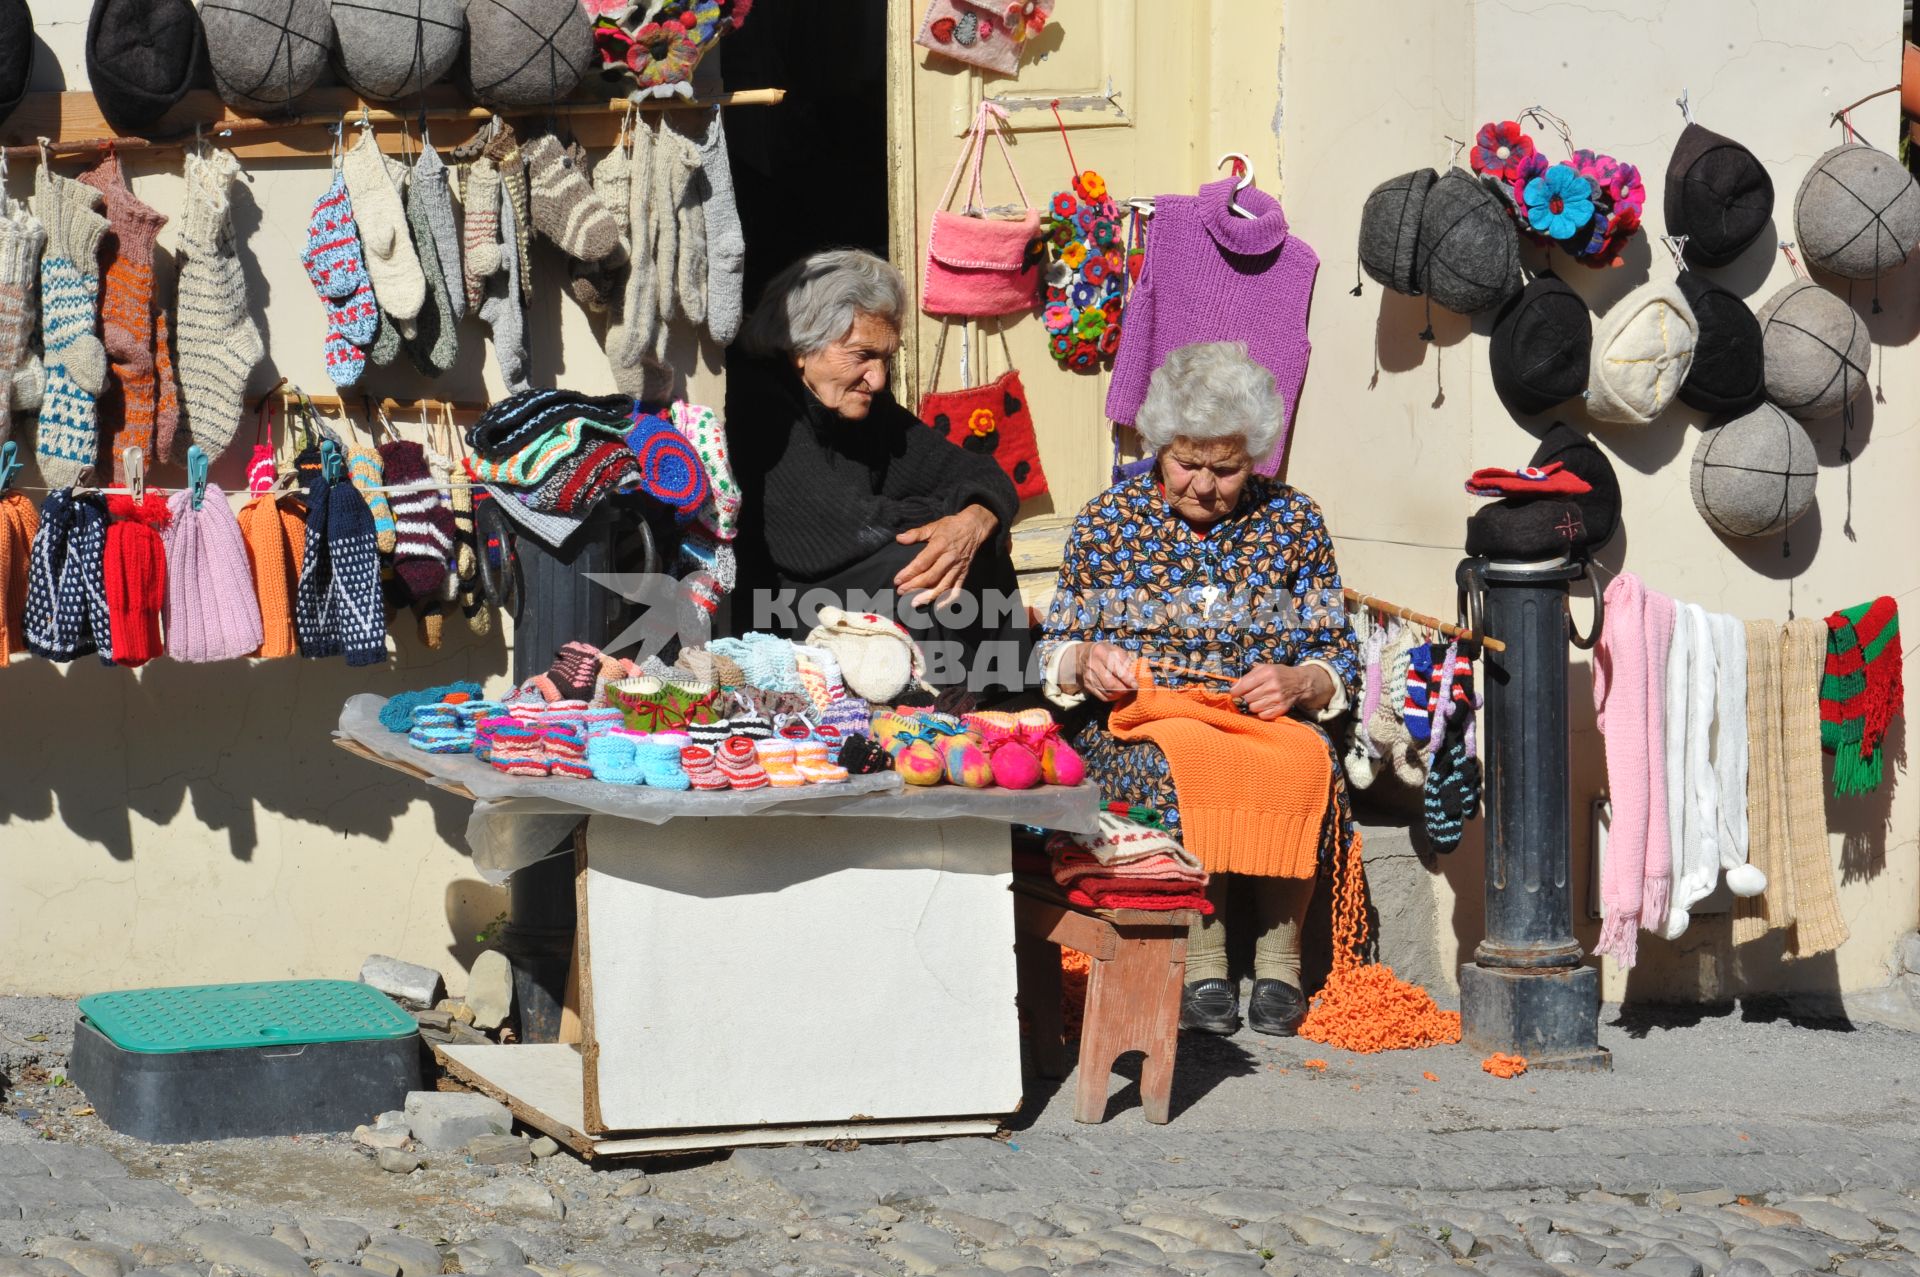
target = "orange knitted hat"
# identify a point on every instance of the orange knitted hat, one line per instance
(275, 532)
(18, 523)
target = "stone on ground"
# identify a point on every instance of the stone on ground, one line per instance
(408, 983)
(444, 1121)
(490, 989)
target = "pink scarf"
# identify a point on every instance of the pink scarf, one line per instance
(1629, 697)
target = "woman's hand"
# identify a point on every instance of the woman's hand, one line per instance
(1274, 691)
(938, 570)
(1103, 671)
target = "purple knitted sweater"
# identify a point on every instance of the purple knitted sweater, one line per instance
(1212, 275)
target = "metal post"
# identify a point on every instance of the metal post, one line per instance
(1526, 993)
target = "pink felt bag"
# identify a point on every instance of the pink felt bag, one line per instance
(979, 267)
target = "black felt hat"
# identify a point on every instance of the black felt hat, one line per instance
(1600, 508)
(142, 57)
(1729, 373)
(1526, 530)
(16, 54)
(1390, 229)
(1718, 195)
(1542, 344)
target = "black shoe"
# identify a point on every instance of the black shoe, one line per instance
(1211, 1006)
(1275, 1007)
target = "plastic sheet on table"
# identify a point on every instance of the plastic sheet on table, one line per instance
(518, 820)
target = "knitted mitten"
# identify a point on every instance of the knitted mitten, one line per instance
(424, 526)
(354, 562)
(597, 285)
(392, 264)
(480, 229)
(726, 243)
(69, 439)
(428, 186)
(631, 341)
(273, 532)
(503, 311)
(564, 205)
(219, 343)
(338, 269)
(19, 521)
(136, 576)
(166, 390)
(126, 312)
(435, 343)
(365, 472)
(504, 151)
(21, 238)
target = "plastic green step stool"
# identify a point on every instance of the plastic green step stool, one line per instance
(216, 1017)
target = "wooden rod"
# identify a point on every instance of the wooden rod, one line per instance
(1835, 117)
(1434, 623)
(292, 396)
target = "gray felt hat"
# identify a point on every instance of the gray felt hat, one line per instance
(526, 52)
(16, 54)
(266, 53)
(1390, 229)
(1817, 350)
(390, 49)
(1857, 213)
(1468, 252)
(1755, 475)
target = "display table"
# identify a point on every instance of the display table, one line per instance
(811, 964)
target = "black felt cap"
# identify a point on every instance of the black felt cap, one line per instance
(142, 57)
(1526, 530)
(1542, 344)
(1729, 373)
(1600, 508)
(1718, 195)
(16, 54)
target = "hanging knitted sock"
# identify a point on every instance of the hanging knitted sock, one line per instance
(1416, 709)
(126, 313)
(597, 286)
(19, 521)
(424, 527)
(392, 265)
(502, 309)
(674, 161)
(690, 274)
(136, 576)
(429, 185)
(726, 242)
(632, 343)
(435, 343)
(338, 268)
(219, 343)
(480, 226)
(366, 473)
(700, 426)
(564, 206)
(387, 343)
(166, 390)
(68, 442)
(354, 564)
(515, 197)
(274, 533)
(22, 236)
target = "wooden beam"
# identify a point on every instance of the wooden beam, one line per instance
(1061, 925)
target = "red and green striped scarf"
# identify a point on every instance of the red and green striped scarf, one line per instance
(1861, 692)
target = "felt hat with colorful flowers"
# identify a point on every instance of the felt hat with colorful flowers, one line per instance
(1587, 205)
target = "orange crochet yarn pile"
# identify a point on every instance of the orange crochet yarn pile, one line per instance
(1366, 1008)
(1504, 1065)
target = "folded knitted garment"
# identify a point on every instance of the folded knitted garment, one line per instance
(1122, 844)
(532, 463)
(1158, 866)
(1097, 897)
(516, 421)
(582, 478)
(398, 713)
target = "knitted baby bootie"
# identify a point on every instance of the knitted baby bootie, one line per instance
(515, 748)
(566, 749)
(702, 768)
(1060, 763)
(601, 719)
(777, 758)
(914, 757)
(861, 756)
(1013, 763)
(815, 764)
(614, 757)
(740, 762)
(967, 764)
(660, 762)
(849, 716)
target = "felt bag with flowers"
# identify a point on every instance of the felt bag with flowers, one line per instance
(982, 33)
(1587, 205)
(660, 44)
(991, 418)
(978, 266)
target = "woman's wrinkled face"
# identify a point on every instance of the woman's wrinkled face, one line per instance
(846, 375)
(1204, 477)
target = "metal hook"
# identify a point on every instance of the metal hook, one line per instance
(1686, 111)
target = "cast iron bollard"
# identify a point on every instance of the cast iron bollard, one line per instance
(1526, 993)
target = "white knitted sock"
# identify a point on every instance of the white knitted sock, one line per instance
(68, 442)
(480, 204)
(673, 163)
(22, 236)
(639, 311)
(399, 284)
(726, 242)
(501, 310)
(217, 341)
(690, 281)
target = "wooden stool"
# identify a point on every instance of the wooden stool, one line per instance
(1139, 967)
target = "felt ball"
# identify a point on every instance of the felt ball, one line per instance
(1718, 195)
(1600, 508)
(1390, 229)
(1817, 350)
(1526, 530)
(526, 52)
(1857, 213)
(142, 57)
(1728, 376)
(1541, 346)
(16, 53)
(390, 49)
(1746, 880)
(1468, 254)
(1755, 475)
(1642, 352)
(266, 53)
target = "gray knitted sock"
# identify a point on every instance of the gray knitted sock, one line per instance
(434, 344)
(429, 186)
(21, 238)
(502, 309)
(640, 308)
(480, 203)
(690, 276)
(217, 341)
(68, 441)
(726, 243)
(673, 163)
(387, 343)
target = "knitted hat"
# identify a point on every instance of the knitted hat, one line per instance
(1541, 346)
(1642, 352)
(1729, 364)
(1718, 196)
(66, 605)
(1550, 480)
(1390, 229)
(142, 57)
(212, 611)
(1817, 349)
(136, 576)
(877, 657)
(16, 54)
(266, 53)
(1857, 213)
(390, 49)
(1467, 257)
(274, 530)
(1526, 530)
(1600, 508)
(670, 469)
(526, 52)
(1755, 475)
(18, 523)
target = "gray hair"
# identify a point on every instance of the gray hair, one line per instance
(812, 303)
(1212, 390)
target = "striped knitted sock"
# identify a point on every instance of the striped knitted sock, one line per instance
(219, 344)
(564, 206)
(423, 527)
(68, 441)
(480, 229)
(597, 286)
(1416, 709)
(126, 312)
(516, 214)
(364, 469)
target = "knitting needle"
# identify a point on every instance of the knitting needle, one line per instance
(1168, 667)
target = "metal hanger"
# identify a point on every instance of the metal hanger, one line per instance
(1246, 179)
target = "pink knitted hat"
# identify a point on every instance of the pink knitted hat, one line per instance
(213, 613)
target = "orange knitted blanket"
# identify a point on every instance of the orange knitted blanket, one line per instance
(1253, 794)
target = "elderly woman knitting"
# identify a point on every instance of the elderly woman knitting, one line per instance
(1199, 607)
(847, 495)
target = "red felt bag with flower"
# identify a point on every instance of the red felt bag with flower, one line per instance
(978, 266)
(992, 418)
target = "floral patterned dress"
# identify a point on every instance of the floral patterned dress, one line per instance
(1259, 587)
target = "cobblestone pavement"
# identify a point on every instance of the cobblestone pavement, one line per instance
(1723, 1146)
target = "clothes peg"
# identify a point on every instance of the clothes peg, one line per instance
(133, 462)
(333, 466)
(198, 466)
(10, 464)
